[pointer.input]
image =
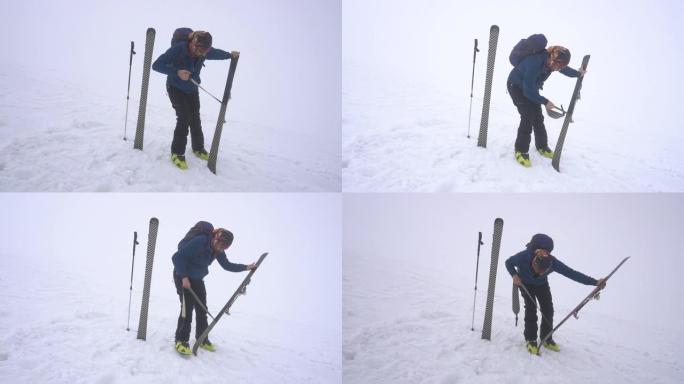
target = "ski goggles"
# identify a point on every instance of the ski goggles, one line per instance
(202, 50)
(557, 65)
(541, 262)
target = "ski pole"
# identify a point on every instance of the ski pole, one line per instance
(200, 87)
(477, 266)
(524, 289)
(135, 242)
(130, 64)
(199, 302)
(472, 82)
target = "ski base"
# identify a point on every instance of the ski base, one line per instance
(226, 307)
(213, 152)
(594, 293)
(568, 117)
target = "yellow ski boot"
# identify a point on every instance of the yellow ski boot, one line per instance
(207, 345)
(179, 161)
(523, 159)
(183, 348)
(550, 344)
(546, 152)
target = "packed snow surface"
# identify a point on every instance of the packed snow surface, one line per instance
(408, 276)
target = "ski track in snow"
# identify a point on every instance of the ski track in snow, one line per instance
(414, 327)
(58, 326)
(403, 137)
(55, 136)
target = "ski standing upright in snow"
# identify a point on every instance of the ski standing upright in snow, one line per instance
(151, 245)
(140, 129)
(489, 309)
(213, 152)
(568, 117)
(593, 295)
(491, 57)
(241, 290)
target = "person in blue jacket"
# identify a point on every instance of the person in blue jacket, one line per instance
(200, 247)
(524, 83)
(530, 268)
(182, 64)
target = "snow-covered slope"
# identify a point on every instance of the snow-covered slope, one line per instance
(62, 109)
(413, 325)
(65, 287)
(408, 277)
(406, 85)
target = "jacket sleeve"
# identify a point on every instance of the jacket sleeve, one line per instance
(181, 260)
(227, 265)
(570, 273)
(164, 63)
(569, 72)
(511, 263)
(218, 54)
(529, 83)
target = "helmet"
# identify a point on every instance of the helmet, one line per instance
(541, 241)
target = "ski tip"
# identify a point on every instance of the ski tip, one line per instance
(494, 27)
(151, 30)
(498, 220)
(154, 220)
(585, 61)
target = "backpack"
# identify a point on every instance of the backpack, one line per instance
(527, 47)
(201, 228)
(181, 34)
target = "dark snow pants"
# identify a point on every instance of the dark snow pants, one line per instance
(187, 106)
(542, 294)
(531, 118)
(184, 324)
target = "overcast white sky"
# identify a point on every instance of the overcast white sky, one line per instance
(592, 233)
(634, 78)
(92, 234)
(288, 75)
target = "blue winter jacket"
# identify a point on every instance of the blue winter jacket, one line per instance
(178, 57)
(195, 255)
(531, 74)
(523, 262)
